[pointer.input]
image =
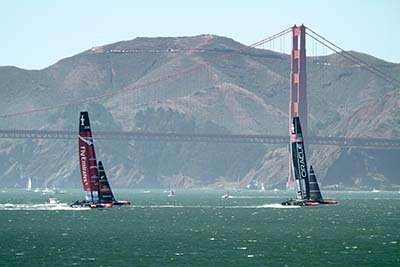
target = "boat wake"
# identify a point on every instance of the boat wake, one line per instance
(278, 206)
(9, 206)
(251, 197)
(271, 206)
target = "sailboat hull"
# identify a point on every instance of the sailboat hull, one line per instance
(82, 204)
(293, 202)
(327, 201)
(121, 203)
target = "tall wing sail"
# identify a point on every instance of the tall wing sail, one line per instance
(105, 193)
(299, 164)
(315, 193)
(87, 159)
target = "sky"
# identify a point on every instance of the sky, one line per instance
(37, 33)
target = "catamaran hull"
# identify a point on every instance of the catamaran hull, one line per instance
(80, 204)
(121, 203)
(300, 203)
(328, 201)
(110, 205)
(309, 202)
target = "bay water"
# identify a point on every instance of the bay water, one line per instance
(199, 228)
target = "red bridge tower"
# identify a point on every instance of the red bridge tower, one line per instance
(298, 86)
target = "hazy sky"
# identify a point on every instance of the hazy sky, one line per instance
(38, 33)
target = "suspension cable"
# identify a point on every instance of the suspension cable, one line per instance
(353, 58)
(151, 82)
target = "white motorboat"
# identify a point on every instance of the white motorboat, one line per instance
(226, 196)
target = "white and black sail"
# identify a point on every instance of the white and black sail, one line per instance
(315, 192)
(299, 163)
(87, 159)
(105, 193)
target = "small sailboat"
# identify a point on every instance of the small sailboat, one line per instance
(29, 185)
(97, 189)
(47, 191)
(306, 186)
(238, 189)
(262, 187)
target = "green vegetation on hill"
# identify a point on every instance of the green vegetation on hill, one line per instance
(164, 85)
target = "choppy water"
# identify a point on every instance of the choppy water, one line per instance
(198, 228)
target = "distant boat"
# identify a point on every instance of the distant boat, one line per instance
(238, 189)
(97, 190)
(57, 190)
(29, 182)
(226, 196)
(253, 185)
(376, 190)
(262, 187)
(55, 203)
(171, 193)
(306, 186)
(50, 191)
(47, 191)
(29, 185)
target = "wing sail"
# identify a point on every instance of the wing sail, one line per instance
(299, 164)
(87, 159)
(105, 193)
(315, 192)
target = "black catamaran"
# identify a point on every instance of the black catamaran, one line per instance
(98, 192)
(306, 185)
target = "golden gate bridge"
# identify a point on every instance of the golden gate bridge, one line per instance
(297, 100)
(210, 138)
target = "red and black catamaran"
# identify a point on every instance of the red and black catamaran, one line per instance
(98, 193)
(306, 185)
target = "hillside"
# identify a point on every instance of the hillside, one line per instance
(164, 84)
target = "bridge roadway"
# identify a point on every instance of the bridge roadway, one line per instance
(190, 137)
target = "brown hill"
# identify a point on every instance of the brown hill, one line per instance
(167, 84)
